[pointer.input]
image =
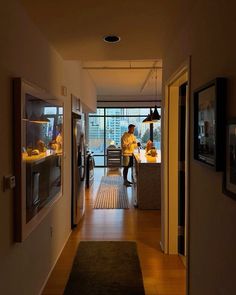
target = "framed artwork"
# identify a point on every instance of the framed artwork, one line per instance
(38, 150)
(229, 177)
(209, 123)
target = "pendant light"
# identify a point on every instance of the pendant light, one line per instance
(156, 116)
(153, 116)
(40, 120)
(148, 119)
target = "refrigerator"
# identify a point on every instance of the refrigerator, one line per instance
(78, 169)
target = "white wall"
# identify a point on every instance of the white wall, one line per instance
(73, 76)
(25, 53)
(83, 85)
(209, 37)
(88, 95)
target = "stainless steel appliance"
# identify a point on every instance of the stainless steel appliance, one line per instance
(89, 169)
(78, 168)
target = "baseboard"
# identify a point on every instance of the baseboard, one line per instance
(45, 282)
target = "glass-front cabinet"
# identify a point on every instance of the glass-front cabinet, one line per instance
(38, 154)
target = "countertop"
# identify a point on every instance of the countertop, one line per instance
(142, 158)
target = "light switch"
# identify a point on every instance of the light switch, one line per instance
(63, 90)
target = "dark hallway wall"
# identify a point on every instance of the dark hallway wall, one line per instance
(24, 52)
(209, 37)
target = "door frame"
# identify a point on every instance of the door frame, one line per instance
(169, 224)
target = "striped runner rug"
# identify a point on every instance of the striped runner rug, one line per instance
(112, 194)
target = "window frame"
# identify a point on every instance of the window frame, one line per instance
(105, 116)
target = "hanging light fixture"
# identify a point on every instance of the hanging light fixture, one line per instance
(40, 120)
(156, 116)
(153, 116)
(148, 119)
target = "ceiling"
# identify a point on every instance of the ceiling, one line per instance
(76, 29)
(130, 78)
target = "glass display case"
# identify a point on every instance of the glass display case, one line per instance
(38, 154)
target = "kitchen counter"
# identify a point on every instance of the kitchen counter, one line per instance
(142, 158)
(146, 176)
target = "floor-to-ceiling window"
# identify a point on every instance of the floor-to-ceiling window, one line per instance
(108, 124)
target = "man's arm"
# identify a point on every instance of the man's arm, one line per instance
(135, 144)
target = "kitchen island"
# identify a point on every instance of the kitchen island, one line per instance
(146, 177)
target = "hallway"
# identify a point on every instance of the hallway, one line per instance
(162, 274)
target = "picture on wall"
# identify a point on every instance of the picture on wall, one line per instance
(229, 179)
(38, 150)
(209, 122)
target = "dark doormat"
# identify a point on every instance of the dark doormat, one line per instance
(106, 268)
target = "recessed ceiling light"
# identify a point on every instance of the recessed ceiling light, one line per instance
(111, 39)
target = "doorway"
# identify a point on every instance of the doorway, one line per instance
(175, 171)
(182, 171)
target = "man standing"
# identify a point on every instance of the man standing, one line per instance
(128, 144)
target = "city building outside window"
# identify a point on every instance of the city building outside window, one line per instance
(107, 125)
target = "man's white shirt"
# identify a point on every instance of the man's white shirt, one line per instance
(128, 143)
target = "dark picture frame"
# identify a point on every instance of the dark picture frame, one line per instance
(229, 175)
(38, 155)
(209, 123)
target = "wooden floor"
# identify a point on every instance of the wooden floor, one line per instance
(162, 274)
